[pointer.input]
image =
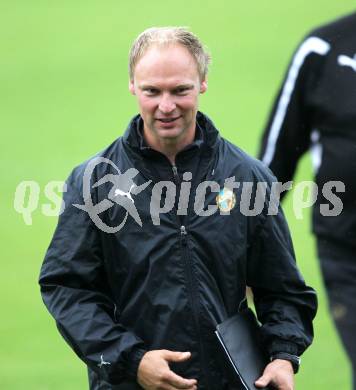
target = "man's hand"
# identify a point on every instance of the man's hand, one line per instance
(279, 374)
(154, 372)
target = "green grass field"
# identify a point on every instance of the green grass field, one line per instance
(63, 97)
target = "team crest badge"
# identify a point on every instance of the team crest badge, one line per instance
(226, 200)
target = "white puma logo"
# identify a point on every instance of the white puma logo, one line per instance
(347, 61)
(103, 362)
(126, 194)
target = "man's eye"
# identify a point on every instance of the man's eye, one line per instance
(181, 91)
(151, 91)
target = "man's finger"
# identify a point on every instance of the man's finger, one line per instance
(173, 356)
(263, 381)
(179, 382)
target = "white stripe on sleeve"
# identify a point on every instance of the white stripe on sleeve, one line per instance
(310, 45)
(316, 150)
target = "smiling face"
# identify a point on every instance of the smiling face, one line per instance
(167, 86)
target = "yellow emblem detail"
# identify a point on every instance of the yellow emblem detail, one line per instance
(226, 200)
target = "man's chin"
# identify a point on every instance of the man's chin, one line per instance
(169, 134)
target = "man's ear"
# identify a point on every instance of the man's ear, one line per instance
(132, 87)
(203, 86)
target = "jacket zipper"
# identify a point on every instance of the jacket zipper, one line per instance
(191, 286)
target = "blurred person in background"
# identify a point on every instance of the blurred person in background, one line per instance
(315, 111)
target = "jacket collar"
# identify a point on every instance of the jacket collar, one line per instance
(206, 136)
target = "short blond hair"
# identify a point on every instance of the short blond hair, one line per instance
(165, 36)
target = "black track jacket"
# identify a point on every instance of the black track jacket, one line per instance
(116, 295)
(316, 110)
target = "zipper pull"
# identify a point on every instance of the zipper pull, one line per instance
(183, 234)
(175, 174)
(183, 230)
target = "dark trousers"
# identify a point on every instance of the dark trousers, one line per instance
(97, 383)
(338, 266)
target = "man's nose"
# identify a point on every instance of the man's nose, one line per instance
(166, 104)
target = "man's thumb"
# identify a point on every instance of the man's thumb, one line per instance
(262, 381)
(177, 356)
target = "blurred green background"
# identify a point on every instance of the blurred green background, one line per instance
(63, 97)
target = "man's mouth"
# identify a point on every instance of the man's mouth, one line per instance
(167, 120)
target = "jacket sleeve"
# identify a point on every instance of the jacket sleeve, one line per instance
(284, 304)
(288, 132)
(75, 291)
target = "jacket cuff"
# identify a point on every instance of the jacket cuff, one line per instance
(280, 346)
(293, 359)
(133, 363)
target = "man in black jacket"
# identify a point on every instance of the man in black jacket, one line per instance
(157, 241)
(316, 110)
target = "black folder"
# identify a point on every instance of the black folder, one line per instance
(240, 341)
